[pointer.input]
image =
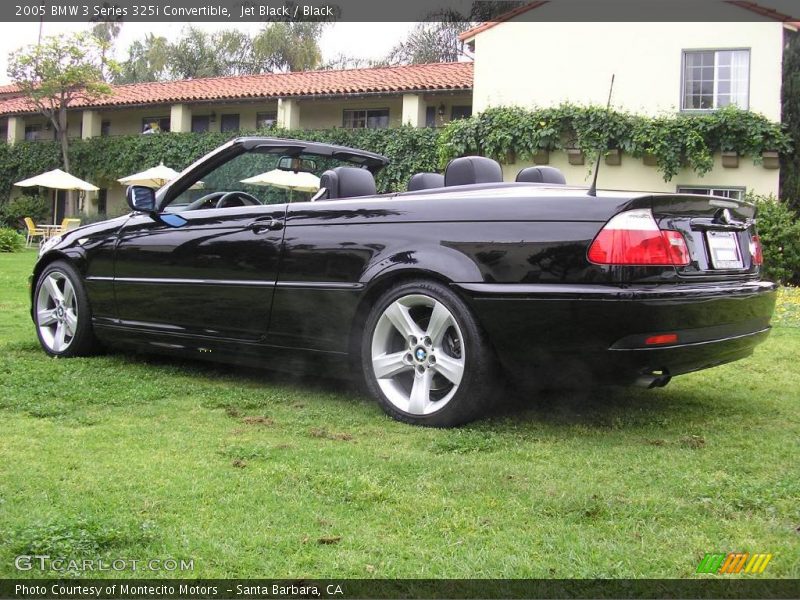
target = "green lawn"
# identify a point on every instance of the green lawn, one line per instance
(252, 474)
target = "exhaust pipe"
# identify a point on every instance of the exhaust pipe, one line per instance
(653, 378)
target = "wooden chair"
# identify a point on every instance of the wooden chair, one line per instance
(33, 232)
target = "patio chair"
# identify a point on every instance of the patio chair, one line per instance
(69, 224)
(33, 232)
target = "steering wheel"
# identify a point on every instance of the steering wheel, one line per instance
(207, 201)
(244, 199)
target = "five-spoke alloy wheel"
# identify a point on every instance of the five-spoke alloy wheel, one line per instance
(61, 312)
(424, 357)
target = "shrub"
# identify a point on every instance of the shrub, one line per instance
(16, 209)
(779, 231)
(10, 240)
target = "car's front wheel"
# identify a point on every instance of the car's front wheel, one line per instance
(61, 312)
(424, 356)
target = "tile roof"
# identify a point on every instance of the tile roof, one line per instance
(746, 4)
(387, 80)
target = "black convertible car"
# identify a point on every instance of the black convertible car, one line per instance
(430, 295)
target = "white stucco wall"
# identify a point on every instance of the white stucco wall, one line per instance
(530, 64)
(633, 174)
(545, 64)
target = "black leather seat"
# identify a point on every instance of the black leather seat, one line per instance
(542, 175)
(472, 169)
(347, 182)
(425, 181)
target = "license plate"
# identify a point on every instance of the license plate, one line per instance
(724, 249)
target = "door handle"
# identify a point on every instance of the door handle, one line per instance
(266, 224)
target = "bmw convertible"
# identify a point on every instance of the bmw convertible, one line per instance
(280, 254)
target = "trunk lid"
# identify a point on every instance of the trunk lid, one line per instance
(718, 231)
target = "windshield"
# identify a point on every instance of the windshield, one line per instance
(259, 176)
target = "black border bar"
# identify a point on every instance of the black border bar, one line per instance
(249, 589)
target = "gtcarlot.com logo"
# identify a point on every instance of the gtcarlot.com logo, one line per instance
(43, 562)
(734, 562)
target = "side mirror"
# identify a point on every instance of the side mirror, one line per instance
(141, 198)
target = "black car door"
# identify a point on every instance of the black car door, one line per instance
(213, 276)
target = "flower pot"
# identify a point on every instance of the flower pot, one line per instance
(542, 157)
(510, 158)
(614, 157)
(575, 156)
(770, 159)
(730, 160)
(649, 160)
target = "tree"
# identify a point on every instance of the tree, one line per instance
(148, 60)
(790, 168)
(288, 46)
(435, 39)
(58, 72)
(106, 33)
(432, 41)
(278, 47)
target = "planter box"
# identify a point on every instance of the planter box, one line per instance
(575, 156)
(649, 160)
(614, 157)
(510, 158)
(542, 157)
(730, 160)
(771, 159)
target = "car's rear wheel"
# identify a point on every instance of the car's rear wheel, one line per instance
(424, 356)
(62, 314)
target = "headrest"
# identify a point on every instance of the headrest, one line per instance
(472, 169)
(541, 175)
(347, 182)
(425, 181)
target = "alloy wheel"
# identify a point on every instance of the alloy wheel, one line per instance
(418, 354)
(57, 312)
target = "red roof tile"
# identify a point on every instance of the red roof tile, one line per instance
(388, 80)
(746, 4)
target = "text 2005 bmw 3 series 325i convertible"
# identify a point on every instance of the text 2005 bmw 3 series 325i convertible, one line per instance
(279, 253)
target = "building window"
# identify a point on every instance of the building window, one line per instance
(460, 112)
(155, 124)
(736, 193)
(229, 123)
(33, 132)
(200, 123)
(265, 120)
(105, 128)
(373, 118)
(715, 78)
(430, 116)
(102, 202)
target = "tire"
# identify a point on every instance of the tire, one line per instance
(62, 314)
(424, 357)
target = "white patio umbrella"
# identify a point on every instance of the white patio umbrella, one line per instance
(58, 180)
(154, 177)
(290, 180)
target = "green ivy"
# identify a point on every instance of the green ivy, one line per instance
(674, 141)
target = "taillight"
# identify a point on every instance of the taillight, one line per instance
(755, 250)
(633, 238)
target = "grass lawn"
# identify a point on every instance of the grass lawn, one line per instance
(255, 475)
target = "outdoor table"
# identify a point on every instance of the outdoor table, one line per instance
(50, 230)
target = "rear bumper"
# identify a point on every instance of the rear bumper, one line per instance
(599, 333)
